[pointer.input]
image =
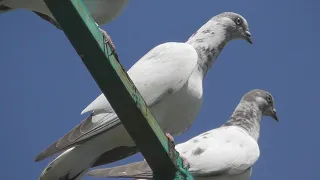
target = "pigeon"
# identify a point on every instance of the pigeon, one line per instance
(102, 11)
(169, 78)
(224, 153)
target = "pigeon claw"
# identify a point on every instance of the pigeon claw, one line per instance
(185, 162)
(108, 40)
(170, 138)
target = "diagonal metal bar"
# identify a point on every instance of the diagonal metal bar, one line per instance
(114, 82)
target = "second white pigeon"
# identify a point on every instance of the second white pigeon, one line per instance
(224, 153)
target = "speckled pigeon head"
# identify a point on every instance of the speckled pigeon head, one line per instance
(236, 24)
(264, 100)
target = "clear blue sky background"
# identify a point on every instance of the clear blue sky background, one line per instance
(45, 86)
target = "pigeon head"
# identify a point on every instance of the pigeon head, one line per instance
(264, 102)
(214, 35)
(236, 25)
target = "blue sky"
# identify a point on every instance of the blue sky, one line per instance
(45, 86)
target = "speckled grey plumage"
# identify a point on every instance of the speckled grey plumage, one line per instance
(218, 31)
(249, 112)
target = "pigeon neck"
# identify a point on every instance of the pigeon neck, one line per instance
(209, 41)
(247, 116)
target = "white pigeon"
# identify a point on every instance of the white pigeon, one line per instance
(224, 153)
(102, 11)
(169, 78)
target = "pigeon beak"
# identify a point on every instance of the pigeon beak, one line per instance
(274, 115)
(248, 36)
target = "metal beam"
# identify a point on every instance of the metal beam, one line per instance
(115, 84)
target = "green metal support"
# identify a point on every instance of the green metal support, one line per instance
(114, 82)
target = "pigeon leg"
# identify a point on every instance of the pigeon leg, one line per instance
(171, 141)
(170, 138)
(185, 162)
(108, 40)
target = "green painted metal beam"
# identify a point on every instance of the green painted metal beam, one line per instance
(114, 82)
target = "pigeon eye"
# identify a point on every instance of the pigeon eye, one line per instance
(238, 21)
(269, 98)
